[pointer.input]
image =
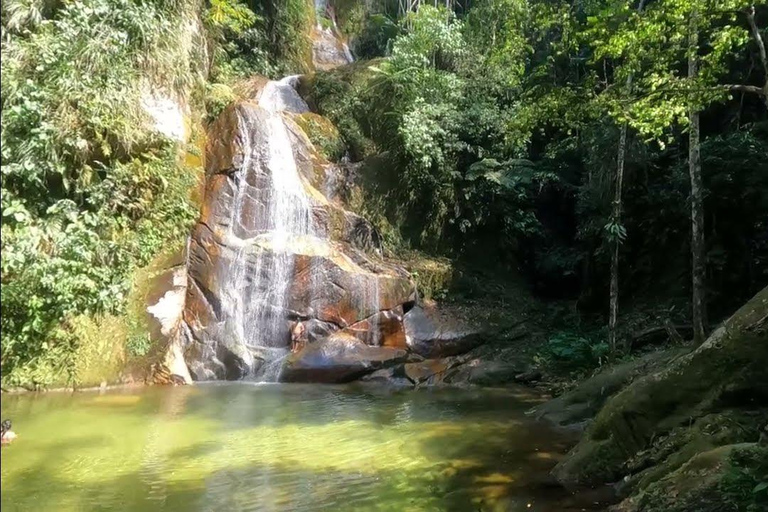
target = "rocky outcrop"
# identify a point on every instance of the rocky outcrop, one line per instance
(577, 407)
(655, 418)
(433, 334)
(337, 284)
(164, 316)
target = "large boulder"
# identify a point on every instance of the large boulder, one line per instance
(339, 358)
(482, 371)
(728, 371)
(431, 371)
(434, 334)
(577, 407)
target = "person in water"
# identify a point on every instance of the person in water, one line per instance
(297, 336)
(8, 435)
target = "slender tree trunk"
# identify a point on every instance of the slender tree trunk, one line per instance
(613, 317)
(698, 256)
(616, 218)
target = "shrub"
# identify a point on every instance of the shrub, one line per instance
(573, 352)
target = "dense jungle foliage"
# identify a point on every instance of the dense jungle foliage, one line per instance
(492, 132)
(502, 124)
(90, 191)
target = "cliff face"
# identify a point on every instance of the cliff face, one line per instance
(271, 250)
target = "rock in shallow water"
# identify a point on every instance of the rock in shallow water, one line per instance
(339, 358)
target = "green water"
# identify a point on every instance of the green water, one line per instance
(240, 447)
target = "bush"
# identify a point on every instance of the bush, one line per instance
(573, 352)
(323, 134)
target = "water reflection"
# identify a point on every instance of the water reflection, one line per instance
(279, 448)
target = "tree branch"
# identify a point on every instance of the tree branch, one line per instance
(752, 89)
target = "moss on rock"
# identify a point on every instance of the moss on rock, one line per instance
(722, 479)
(727, 371)
(323, 134)
(581, 404)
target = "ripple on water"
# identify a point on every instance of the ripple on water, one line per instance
(277, 448)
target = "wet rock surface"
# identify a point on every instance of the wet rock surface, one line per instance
(328, 51)
(339, 358)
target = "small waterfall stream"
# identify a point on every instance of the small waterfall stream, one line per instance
(329, 49)
(259, 318)
(279, 252)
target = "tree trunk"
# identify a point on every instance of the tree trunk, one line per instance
(616, 218)
(698, 256)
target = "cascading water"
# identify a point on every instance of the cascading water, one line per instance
(369, 301)
(264, 262)
(281, 96)
(329, 50)
(271, 250)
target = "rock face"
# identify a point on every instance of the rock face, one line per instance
(166, 301)
(577, 407)
(266, 254)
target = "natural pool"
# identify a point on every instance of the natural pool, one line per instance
(243, 447)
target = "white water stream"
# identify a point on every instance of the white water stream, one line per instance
(279, 222)
(259, 318)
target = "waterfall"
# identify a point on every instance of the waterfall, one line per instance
(329, 49)
(368, 301)
(267, 227)
(259, 280)
(281, 96)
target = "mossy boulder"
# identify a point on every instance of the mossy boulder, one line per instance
(578, 406)
(729, 370)
(669, 453)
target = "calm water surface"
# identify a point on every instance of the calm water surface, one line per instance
(242, 447)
